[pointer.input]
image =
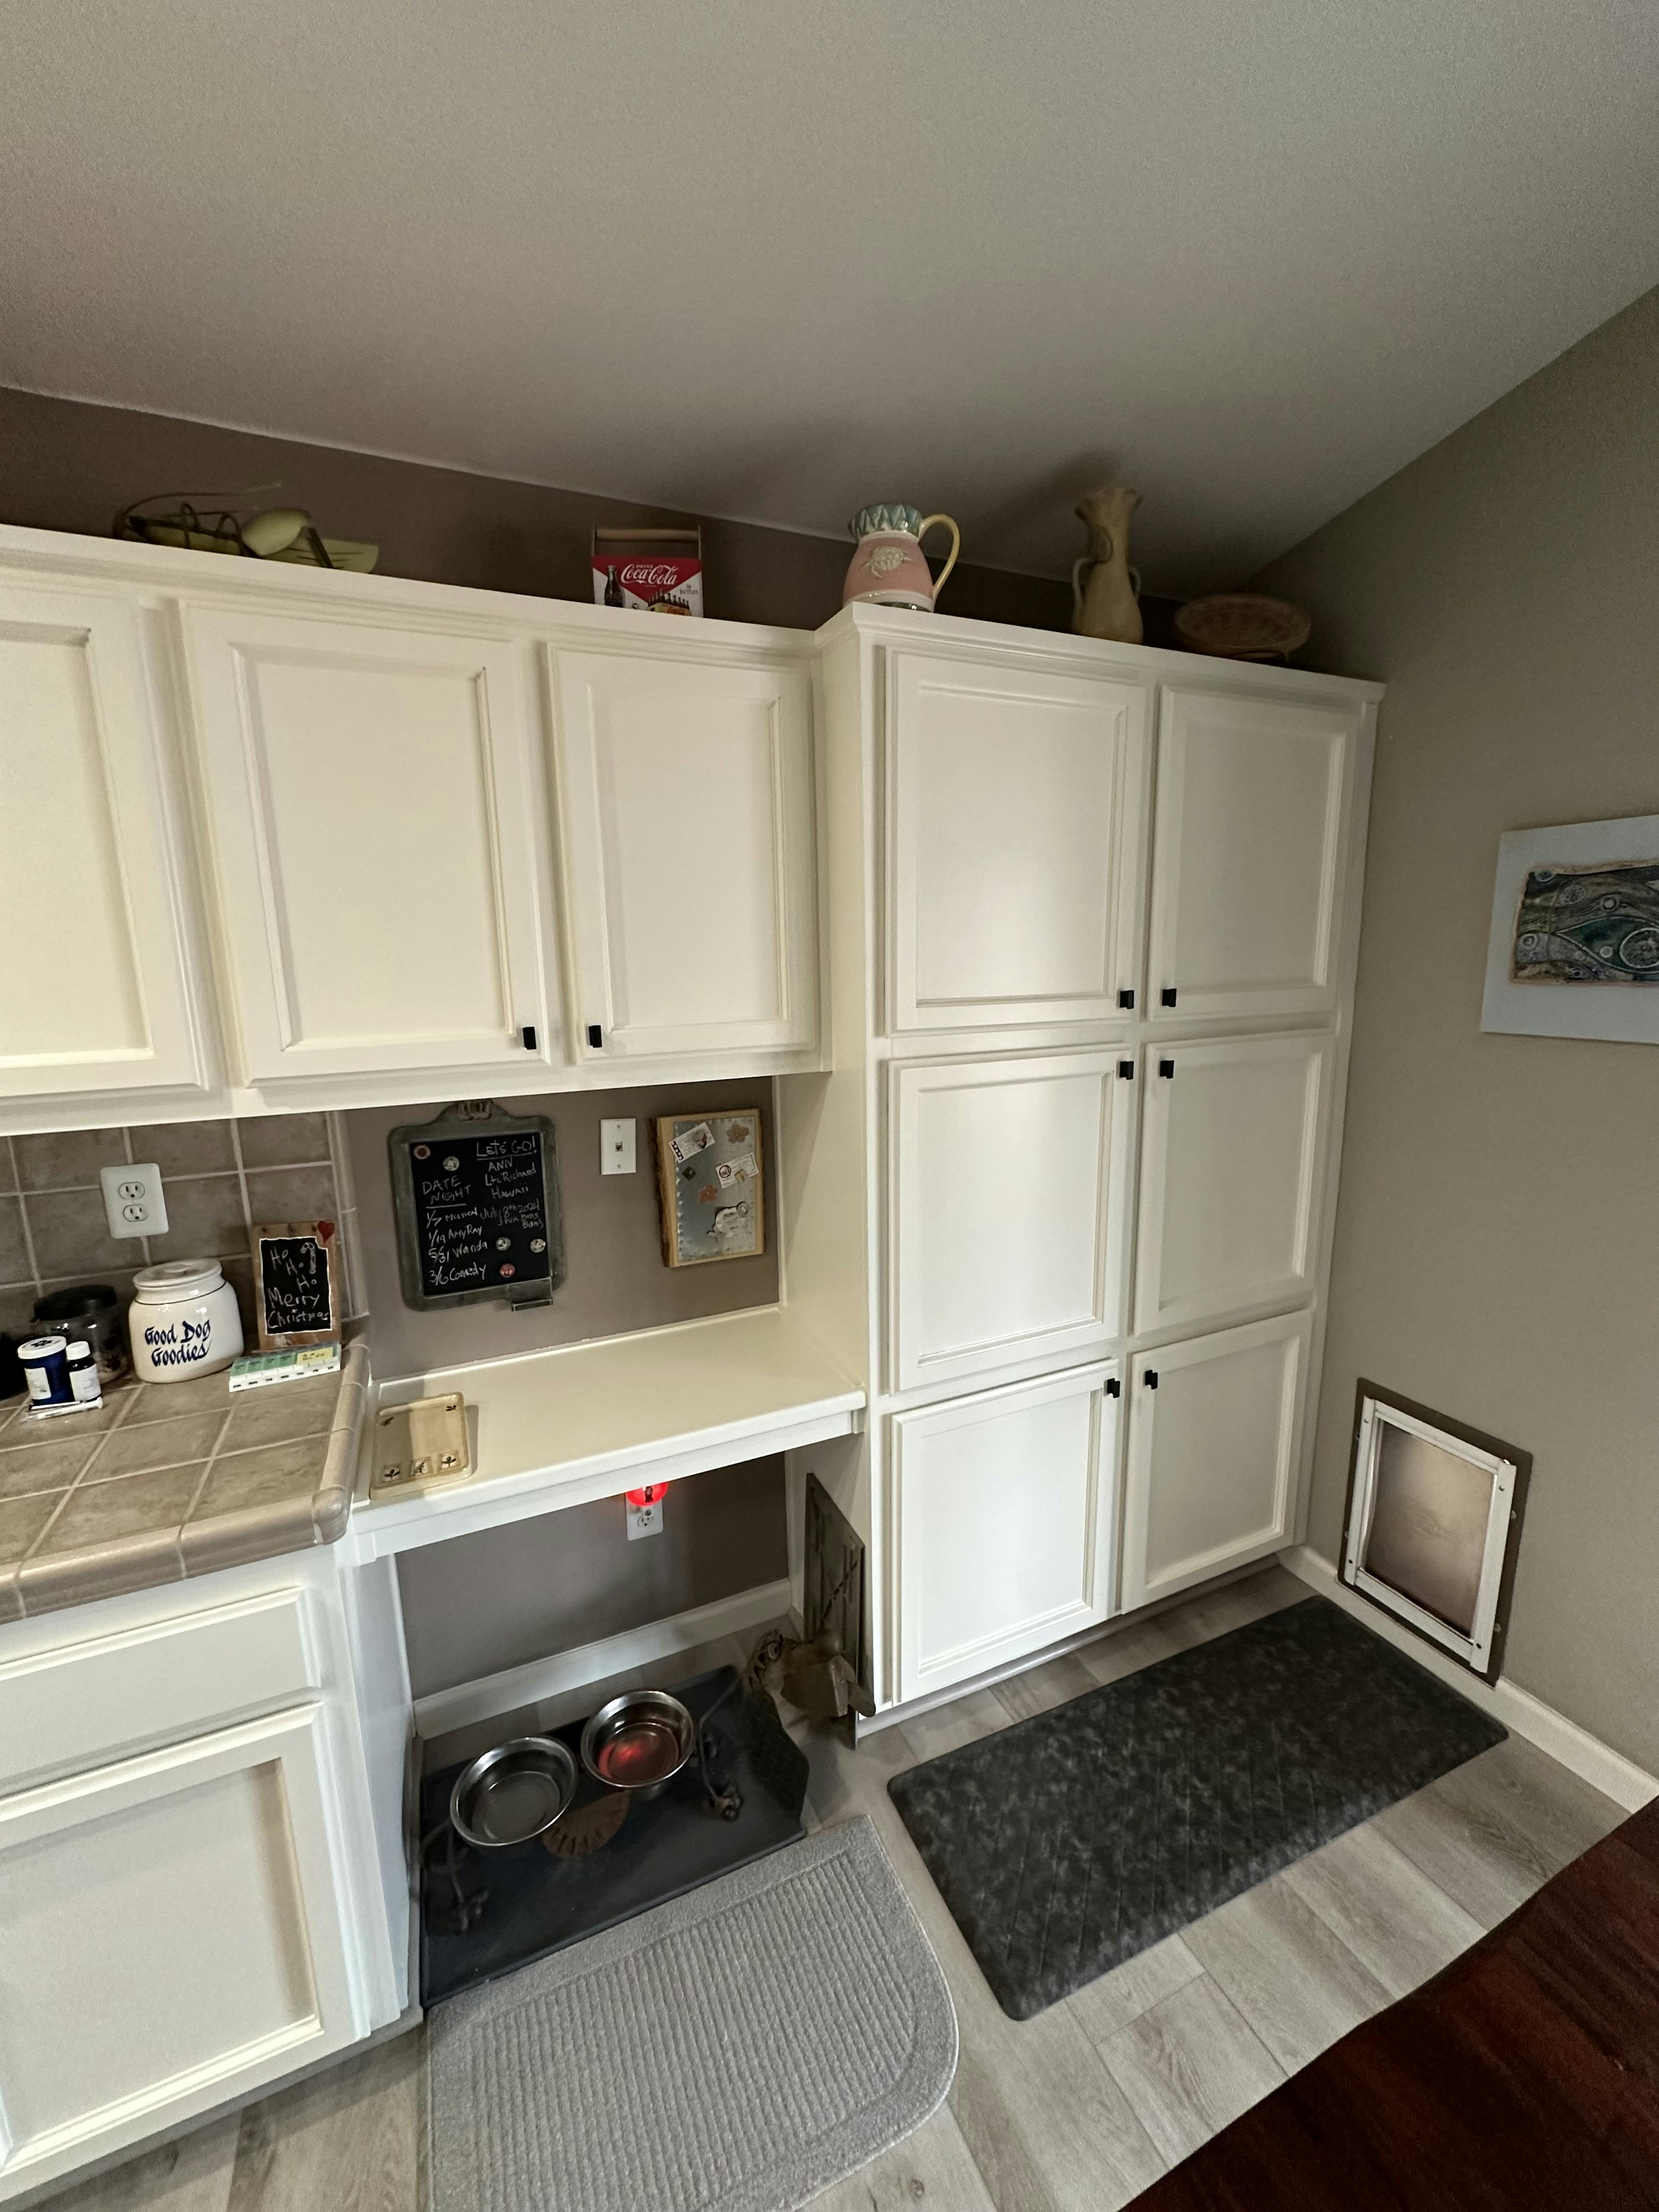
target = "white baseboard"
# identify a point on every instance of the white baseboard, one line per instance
(594, 1663)
(1577, 1749)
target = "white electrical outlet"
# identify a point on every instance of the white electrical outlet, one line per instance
(616, 1147)
(646, 1519)
(133, 1203)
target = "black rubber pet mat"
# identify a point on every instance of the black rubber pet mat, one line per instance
(1065, 1845)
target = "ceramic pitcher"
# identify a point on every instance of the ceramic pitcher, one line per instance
(890, 568)
(1108, 606)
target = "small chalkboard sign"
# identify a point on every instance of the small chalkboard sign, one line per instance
(476, 1193)
(296, 1283)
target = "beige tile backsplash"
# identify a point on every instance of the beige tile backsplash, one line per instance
(218, 1177)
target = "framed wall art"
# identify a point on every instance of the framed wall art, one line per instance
(711, 1186)
(1574, 950)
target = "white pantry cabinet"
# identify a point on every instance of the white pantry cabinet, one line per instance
(1232, 1159)
(686, 812)
(94, 986)
(1214, 1429)
(1009, 1180)
(1013, 811)
(371, 812)
(172, 1936)
(1252, 820)
(1005, 1511)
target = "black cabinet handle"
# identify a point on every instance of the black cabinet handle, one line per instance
(528, 1034)
(1151, 1378)
(1126, 999)
(1125, 1069)
(595, 1035)
(1113, 1387)
(1167, 996)
(1166, 1067)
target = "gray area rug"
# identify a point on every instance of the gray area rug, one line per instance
(1065, 1845)
(739, 2049)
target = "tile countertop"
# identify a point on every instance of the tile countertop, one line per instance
(169, 1479)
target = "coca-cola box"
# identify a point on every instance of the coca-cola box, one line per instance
(660, 570)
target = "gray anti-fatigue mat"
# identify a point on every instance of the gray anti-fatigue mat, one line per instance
(1065, 1845)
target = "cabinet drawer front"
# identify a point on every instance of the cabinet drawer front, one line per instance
(370, 798)
(1005, 1519)
(1013, 813)
(1232, 1166)
(687, 816)
(1250, 850)
(174, 1940)
(1212, 1453)
(83, 834)
(78, 1703)
(1006, 1242)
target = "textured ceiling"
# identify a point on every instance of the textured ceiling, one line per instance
(774, 261)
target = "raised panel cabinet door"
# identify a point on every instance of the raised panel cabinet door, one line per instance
(1006, 1243)
(1248, 854)
(94, 988)
(1012, 836)
(171, 1938)
(1215, 1426)
(687, 812)
(1232, 1152)
(1006, 1514)
(370, 796)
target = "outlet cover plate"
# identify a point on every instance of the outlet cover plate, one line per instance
(616, 1147)
(134, 1203)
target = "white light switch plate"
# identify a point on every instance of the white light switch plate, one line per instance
(133, 1203)
(616, 1147)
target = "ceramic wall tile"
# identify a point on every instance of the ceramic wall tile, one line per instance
(68, 1159)
(71, 1235)
(15, 1266)
(291, 1193)
(8, 1165)
(186, 1148)
(206, 1220)
(280, 1141)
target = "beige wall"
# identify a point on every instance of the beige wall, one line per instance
(1497, 1231)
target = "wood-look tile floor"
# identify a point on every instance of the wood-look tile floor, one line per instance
(1081, 2108)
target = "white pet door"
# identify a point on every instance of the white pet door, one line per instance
(1434, 1513)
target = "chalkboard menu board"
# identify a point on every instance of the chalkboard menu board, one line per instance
(477, 1197)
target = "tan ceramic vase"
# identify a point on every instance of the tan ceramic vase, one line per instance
(1108, 604)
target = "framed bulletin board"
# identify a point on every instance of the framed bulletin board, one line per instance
(711, 1184)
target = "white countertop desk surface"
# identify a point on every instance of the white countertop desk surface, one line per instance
(554, 1429)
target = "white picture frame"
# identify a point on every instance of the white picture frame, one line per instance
(1613, 1012)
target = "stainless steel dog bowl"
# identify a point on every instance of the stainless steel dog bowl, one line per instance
(512, 1793)
(639, 1741)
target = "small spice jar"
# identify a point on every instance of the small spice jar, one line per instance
(182, 1321)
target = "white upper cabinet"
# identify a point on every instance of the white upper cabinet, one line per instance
(94, 993)
(1252, 810)
(373, 818)
(1007, 1513)
(1231, 1166)
(686, 807)
(1214, 1432)
(1013, 808)
(1009, 1179)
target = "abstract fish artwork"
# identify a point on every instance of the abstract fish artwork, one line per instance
(1587, 925)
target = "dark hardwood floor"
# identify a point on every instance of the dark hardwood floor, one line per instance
(1526, 2074)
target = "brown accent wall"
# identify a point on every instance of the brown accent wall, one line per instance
(615, 1279)
(65, 464)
